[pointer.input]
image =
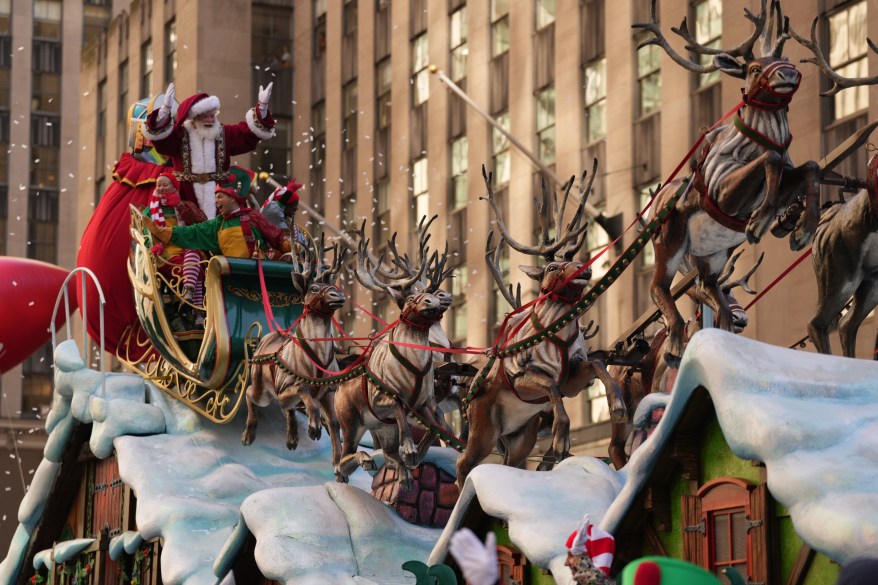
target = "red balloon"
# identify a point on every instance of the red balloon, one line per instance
(104, 250)
(28, 289)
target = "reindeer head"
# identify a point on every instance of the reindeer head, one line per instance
(317, 284)
(771, 79)
(422, 310)
(562, 277)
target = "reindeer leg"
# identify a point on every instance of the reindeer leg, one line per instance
(865, 300)
(520, 443)
(313, 412)
(660, 290)
(352, 430)
(483, 434)
(739, 187)
(618, 438)
(615, 399)
(837, 280)
(292, 429)
(254, 393)
(709, 289)
(408, 449)
(804, 177)
(561, 424)
(327, 411)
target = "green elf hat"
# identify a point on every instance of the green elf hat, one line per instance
(665, 571)
(237, 184)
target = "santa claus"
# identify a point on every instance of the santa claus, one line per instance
(200, 146)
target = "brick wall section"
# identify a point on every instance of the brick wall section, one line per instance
(428, 503)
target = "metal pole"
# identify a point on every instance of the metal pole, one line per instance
(593, 212)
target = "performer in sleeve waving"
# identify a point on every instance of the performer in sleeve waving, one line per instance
(200, 146)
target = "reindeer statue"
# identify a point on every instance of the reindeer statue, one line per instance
(519, 388)
(744, 178)
(845, 257)
(398, 379)
(290, 368)
(652, 373)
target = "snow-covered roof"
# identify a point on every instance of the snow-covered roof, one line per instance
(812, 419)
(195, 481)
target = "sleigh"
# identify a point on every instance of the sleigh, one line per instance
(206, 368)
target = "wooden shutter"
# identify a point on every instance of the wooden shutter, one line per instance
(694, 530)
(757, 536)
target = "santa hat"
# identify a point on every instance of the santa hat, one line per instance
(196, 105)
(284, 195)
(172, 178)
(237, 184)
(599, 544)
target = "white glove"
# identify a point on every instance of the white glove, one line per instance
(477, 561)
(165, 110)
(264, 96)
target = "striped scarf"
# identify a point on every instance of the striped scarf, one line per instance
(155, 209)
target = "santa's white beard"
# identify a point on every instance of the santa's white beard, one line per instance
(202, 144)
(206, 132)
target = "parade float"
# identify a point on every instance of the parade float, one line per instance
(154, 476)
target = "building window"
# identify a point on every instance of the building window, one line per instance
(725, 526)
(596, 239)
(47, 19)
(146, 64)
(319, 48)
(499, 27)
(42, 233)
(95, 17)
(649, 79)
(349, 213)
(459, 167)
(382, 213)
(318, 152)
(420, 72)
(349, 114)
(546, 125)
(500, 151)
(383, 78)
(545, 13)
(708, 30)
(647, 256)
(420, 188)
(596, 101)
(170, 52)
(847, 55)
(36, 387)
(123, 91)
(349, 17)
(458, 44)
(458, 321)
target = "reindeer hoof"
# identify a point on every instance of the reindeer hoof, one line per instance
(314, 433)
(292, 443)
(340, 477)
(366, 462)
(800, 239)
(246, 439)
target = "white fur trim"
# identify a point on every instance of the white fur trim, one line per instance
(260, 133)
(205, 194)
(202, 150)
(208, 104)
(161, 134)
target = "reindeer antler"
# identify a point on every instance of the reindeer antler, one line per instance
(436, 272)
(744, 50)
(549, 247)
(492, 258)
(839, 82)
(743, 281)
